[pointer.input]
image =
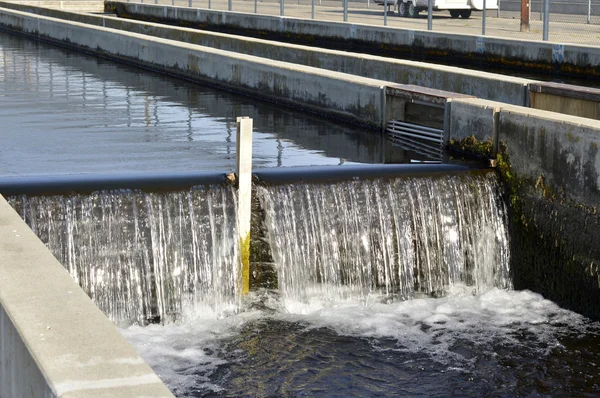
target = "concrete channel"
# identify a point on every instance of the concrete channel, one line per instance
(558, 58)
(549, 162)
(563, 98)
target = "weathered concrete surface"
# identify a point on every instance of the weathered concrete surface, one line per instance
(532, 55)
(565, 98)
(561, 149)
(556, 240)
(351, 98)
(550, 165)
(473, 117)
(54, 342)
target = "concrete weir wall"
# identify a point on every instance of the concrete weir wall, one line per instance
(550, 164)
(568, 59)
(54, 342)
(347, 97)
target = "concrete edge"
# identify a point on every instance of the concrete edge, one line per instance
(75, 348)
(545, 56)
(537, 113)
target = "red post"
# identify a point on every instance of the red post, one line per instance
(525, 15)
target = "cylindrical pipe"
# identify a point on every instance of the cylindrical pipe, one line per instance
(85, 183)
(483, 18)
(190, 3)
(256, 6)
(312, 9)
(430, 14)
(281, 7)
(230, 5)
(244, 211)
(546, 19)
(310, 174)
(589, 16)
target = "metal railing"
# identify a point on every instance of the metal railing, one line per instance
(563, 21)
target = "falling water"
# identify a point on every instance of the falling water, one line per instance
(144, 256)
(399, 238)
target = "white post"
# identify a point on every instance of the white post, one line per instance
(589, 11)
(244, 179)
(345, 5)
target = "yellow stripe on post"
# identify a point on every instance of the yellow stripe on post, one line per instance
(244, 179)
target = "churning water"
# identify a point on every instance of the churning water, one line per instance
(386, 288)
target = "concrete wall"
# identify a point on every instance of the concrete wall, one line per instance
(347, 97)
(54, 342)
(568, 99)
(550, 164)
(534, 55)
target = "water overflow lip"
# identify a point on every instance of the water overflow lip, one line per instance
(278, 176)
(88, 183)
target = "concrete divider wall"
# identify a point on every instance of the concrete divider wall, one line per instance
(550, 164)
(352, 98)
(54, 342)
(534, 55)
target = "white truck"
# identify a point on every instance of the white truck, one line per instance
(457, 8)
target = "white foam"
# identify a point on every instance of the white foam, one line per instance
(434, 325)
(185, 355)
(429, 326)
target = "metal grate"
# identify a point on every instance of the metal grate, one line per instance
(425, 140)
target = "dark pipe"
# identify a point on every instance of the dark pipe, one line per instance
(86, 183)
(277, 176)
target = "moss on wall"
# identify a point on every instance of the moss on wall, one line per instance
(555, 243)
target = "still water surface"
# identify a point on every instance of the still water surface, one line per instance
(64, 113)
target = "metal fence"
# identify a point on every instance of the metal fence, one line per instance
(565, 21)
